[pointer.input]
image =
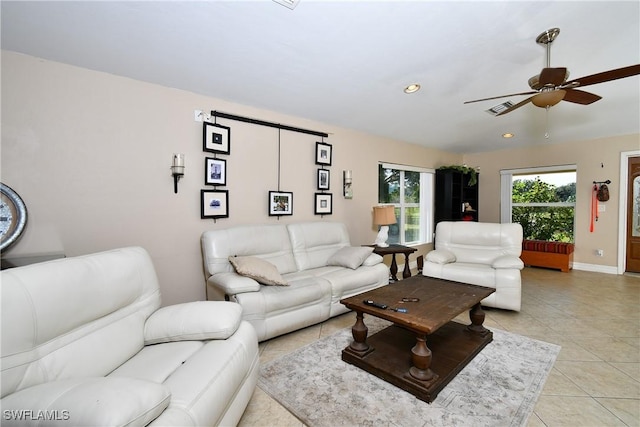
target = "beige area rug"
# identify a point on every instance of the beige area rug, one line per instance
(499, 387)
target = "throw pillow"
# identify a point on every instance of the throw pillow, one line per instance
(350, 257)
(257, 269)
(441, 256)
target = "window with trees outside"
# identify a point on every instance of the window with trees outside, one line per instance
(542, 200)
(410, 190)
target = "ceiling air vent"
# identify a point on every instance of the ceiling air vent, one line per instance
(499, 108)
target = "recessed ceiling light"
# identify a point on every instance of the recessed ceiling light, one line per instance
(412, 88)
(507, 135)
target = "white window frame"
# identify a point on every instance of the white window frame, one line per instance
(426, 201)
(506, 189)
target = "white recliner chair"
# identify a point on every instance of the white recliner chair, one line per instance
(86, 343)
(485, 254)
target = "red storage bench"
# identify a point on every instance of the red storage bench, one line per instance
(540, 253)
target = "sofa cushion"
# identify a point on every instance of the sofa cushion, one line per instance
(92, 401)
(258, 269)
(350, 256)
(199, 320)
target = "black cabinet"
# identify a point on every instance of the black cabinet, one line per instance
(456, 196)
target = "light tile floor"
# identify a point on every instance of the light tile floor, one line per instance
(595, 317)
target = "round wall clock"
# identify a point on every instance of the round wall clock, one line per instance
(13, 216)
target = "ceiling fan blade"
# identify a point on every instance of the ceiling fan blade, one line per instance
(581, 97)
(618, 73)
(502, 96)
(513, 107)
(552, 76)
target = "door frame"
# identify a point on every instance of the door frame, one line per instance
(622, 208)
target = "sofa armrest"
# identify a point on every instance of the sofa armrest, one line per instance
(441, 256)
(507, 261)
(193, 321)
(233, 283)
(88, 401)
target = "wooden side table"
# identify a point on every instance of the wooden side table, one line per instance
(393, 250)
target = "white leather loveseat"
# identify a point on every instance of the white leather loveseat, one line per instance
(313, 262)
(484, 254)
(85, 343)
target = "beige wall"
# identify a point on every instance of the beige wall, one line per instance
(90, 153)
(596, 160)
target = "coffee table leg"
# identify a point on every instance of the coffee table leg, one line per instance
(359, 332)
(476, 314)
(421, 357)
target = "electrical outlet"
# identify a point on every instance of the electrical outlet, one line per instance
(602, 208)
(599, 252)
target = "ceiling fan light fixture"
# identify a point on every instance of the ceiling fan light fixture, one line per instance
(548, 98)
(412, 88)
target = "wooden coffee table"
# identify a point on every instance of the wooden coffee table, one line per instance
(423, 350)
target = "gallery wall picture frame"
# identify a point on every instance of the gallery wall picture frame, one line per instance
(214, 204)
(323, 153)
(215, 171)
(216, 138)
(323, 181)
(280, 203)
(323, 204)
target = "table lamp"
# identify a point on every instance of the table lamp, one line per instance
(383, 216)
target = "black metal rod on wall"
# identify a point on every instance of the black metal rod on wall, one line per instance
(263, 123)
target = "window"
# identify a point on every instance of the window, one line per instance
(542, 200)
(410, 190)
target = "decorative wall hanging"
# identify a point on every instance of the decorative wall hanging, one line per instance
(324, 204)
(323, 153)
(280, 203)
(214, 204)
(323, 179)
(215, 171)
(216, 138)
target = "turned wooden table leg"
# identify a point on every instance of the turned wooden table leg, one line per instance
(359, 332)
(476, 314)
(394, 268)
(421, 357)
(407, 270)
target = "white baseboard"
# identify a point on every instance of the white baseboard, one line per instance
(597, 268)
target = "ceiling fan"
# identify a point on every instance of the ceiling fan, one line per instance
(551, 85)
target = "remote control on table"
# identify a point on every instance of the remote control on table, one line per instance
(375, 304)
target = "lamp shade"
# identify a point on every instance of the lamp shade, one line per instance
(548, 98)
(384, 215)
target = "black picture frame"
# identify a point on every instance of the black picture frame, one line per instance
(280, 203)
(323, 180)
(214, 204)
(216, 138)
(324, 153)
(323, 204)
(215, 171)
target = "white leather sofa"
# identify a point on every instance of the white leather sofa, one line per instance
(314, 259)
(484, 254)
(85, 343)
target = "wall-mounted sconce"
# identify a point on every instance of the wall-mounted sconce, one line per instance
(347, 180)
(177, 169)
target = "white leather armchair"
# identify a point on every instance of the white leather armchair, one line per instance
(85, 342)
(485, 254)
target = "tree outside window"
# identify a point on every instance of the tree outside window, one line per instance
(545, 211)
(405, 190)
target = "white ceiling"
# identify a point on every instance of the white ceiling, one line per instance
(346, 63)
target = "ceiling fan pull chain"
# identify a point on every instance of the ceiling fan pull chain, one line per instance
(546, 133)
